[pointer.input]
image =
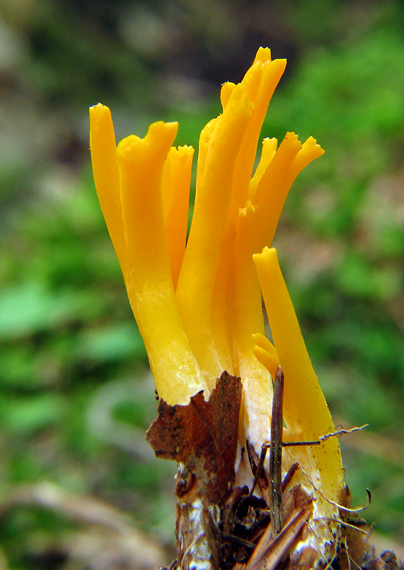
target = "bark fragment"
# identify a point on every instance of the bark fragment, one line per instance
(202, 436)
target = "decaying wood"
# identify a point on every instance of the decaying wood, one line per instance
(198, 540)
(219, 526)
(202, 438)
(222, 527)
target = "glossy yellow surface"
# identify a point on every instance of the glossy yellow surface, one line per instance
(304, 407)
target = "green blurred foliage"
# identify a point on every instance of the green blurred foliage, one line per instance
(75, 392)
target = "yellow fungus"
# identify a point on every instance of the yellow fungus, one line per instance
(198, 302)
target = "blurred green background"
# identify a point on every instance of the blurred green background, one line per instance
(79, 487)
